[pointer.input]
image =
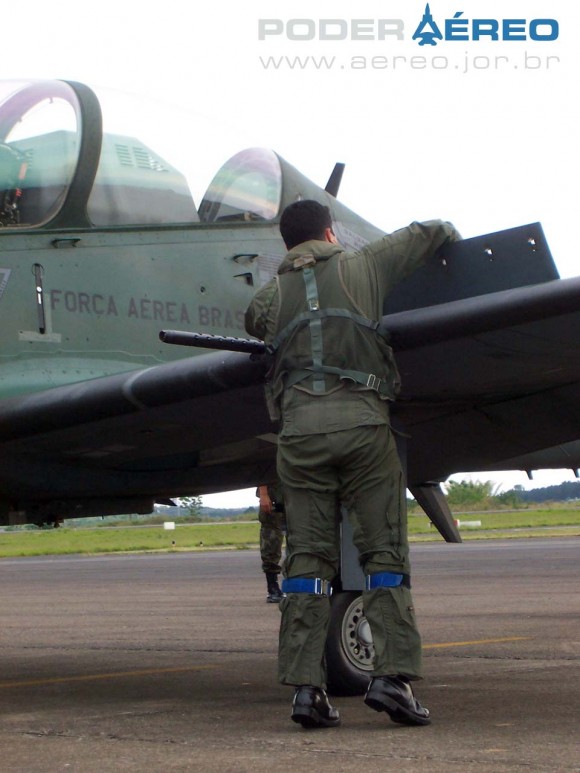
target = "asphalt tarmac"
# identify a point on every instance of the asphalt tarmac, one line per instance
(168, 663)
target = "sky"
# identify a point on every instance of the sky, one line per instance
(477, 131)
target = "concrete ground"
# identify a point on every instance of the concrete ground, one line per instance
(168, 663)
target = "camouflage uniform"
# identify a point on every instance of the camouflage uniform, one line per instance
(330, 385)
(272, 530)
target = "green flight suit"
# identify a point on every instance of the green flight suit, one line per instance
(335, 443)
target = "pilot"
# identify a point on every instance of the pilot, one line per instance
(272, 529)
(330, 385)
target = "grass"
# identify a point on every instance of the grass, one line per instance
(241, 535)
(128, 539)
(519, 519)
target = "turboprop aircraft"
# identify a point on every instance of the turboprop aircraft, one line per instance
(103, 245)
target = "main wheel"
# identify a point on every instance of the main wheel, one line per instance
(349, 646)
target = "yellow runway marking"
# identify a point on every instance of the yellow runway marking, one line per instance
(186, 669)
(96, 677)
(467, 643)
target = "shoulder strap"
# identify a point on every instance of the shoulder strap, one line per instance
(315, 325)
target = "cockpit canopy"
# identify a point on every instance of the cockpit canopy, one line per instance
(71, 160)
(247, 187)
(53, 148)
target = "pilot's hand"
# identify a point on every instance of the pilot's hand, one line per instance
(265, 501)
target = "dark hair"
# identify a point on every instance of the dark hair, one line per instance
(304, 220)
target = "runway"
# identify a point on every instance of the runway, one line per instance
(168, 662)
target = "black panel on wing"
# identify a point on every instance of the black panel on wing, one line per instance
(485, 264)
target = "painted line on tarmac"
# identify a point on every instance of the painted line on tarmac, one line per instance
(178, 670)
(97, 677)
(467, 643)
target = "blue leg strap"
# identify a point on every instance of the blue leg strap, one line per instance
(383, 580)
(307, 585)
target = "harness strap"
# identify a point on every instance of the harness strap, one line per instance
(306, 316)
(313, 317)
(383, 580)
(314, 585)
(365, 379)
(315, 325)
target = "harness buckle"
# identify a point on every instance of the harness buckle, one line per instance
(374, 382)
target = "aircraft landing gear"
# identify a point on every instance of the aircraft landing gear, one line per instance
(349, 646)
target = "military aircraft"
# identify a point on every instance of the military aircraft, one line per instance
(102, 246)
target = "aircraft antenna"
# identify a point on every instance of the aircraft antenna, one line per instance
(333, 183)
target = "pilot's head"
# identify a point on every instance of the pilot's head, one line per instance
(306, 220)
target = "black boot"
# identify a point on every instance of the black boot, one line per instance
(394, 695)
(275, 595)
(311, 708)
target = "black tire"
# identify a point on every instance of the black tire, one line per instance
(349, 647)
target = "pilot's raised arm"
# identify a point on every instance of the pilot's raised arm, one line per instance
(390, 259)
(400, 253)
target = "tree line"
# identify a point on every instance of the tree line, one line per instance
(486, 495)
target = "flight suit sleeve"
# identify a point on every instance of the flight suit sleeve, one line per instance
(399, 254)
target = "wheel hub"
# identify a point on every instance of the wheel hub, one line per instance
(356, 637)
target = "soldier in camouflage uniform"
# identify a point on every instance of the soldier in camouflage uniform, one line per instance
(330, 385)
(272, 529)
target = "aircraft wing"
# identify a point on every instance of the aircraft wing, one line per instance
(492, 379)
(138, 436)
(484, 380)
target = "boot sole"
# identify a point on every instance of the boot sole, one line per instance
(311, 718)
(395, 711)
